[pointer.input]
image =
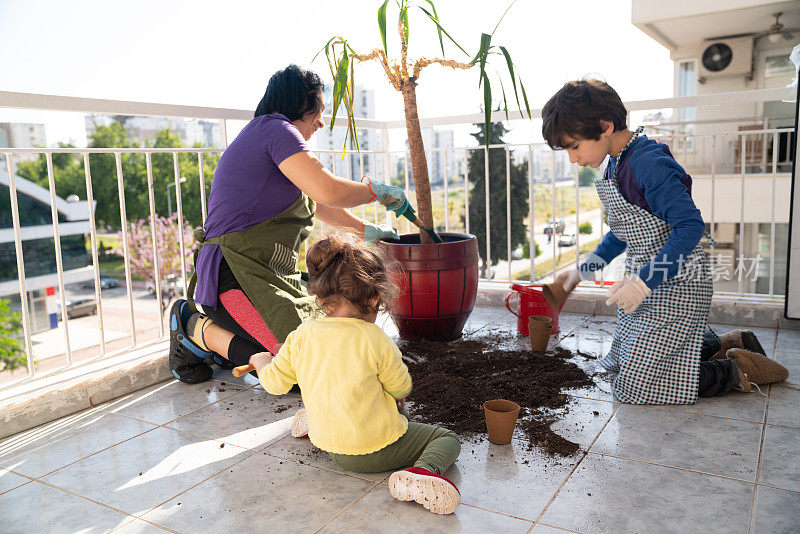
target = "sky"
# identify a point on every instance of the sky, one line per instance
(221, 54)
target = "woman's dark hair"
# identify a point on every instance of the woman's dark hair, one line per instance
(339, 270)
(577, 109)
(293, 92)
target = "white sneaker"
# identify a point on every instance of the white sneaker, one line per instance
(300, 424)
(434, 492)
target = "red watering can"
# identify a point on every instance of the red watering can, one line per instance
(531, 302)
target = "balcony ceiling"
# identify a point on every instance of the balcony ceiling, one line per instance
(674, 26)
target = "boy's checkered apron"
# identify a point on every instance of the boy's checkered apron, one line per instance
(656, 349)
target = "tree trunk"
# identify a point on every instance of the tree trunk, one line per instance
(419, 164)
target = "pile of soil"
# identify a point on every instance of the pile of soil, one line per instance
(452, 381)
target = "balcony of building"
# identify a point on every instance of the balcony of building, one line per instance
(98, 432)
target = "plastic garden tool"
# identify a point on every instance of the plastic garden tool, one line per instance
(411, 215)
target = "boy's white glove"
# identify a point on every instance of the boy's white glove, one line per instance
(628, 293)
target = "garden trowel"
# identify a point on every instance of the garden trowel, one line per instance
(411, 215)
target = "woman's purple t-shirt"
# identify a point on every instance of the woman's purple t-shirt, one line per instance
(248, 188)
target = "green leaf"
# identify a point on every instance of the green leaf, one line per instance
(435, 19)
(487, 105)
(382, 25)
(510, 65)
(504, 16)
(486, 41)
(351, 123)
(339, 84)
(525, 98)
(503, 90)
(332, 65)
(442, 30)
(323, 49)
(404, 18)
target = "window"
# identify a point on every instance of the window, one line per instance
(686, 79)
(40, 258)
(31, 211)
(778, 71)
(687, 86)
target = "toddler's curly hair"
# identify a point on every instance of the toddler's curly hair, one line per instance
(342, 269)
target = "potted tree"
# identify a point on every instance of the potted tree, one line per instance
(438, 281)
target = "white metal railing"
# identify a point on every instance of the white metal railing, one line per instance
(548, 173)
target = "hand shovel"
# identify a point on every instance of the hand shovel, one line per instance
(411, 215)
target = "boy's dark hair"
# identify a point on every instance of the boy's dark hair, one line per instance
(293, 92)
(577, 109)
(340, 269)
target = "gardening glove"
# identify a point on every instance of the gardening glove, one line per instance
(628, 293)
(373, 233)
(590, 265)
(569, 280)
(390, 196)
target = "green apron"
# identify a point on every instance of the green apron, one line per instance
(263, 259)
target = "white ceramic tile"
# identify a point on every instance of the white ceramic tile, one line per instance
(780, 458)
(262, 494)
(378, 511)
(138, 474)
(784, 405)
(9, 480)
(251, 419)
(58, 443)
(301, 450)
(611, 495)
(777, 511)
(667, 437)
(169, 400)
(38, 508)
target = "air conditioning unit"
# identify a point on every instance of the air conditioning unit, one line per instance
(729, 57)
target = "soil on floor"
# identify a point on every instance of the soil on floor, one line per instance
(452, 381)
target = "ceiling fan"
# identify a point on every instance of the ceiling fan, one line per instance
(774, 33)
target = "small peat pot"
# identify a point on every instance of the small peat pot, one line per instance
(438, 284)
(501, 418)
(539, 329)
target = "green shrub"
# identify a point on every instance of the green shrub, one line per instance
(11, 354)
(526, 249)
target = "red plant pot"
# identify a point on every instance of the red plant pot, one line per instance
(438, 285)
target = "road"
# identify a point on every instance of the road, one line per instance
(548, 249)
(84, 332)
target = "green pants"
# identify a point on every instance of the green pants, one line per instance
(432, 447)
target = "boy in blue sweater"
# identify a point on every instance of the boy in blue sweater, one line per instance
(665, 295)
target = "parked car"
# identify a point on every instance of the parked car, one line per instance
(106, 282)
(556, 226)
(78, 308)
(171, 286)
(566, 240)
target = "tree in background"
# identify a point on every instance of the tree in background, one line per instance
(585, 228)
(497, 196)
(140, 246)
(586, 177)
(69, 177)
(11, 354)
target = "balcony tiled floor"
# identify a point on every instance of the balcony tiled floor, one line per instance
(217, 457)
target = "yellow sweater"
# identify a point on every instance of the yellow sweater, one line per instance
(350, 373)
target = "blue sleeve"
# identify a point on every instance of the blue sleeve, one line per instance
(658, 175)
(608, 249)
